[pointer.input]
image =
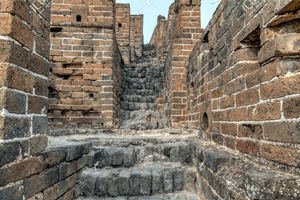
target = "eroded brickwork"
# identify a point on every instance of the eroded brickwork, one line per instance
(24, 66)
(136, 36)
(85, 76)
(159, 37)
(123, 31)
(183, 32)
(243, 79)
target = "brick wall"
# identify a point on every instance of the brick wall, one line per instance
(183, 35)
(123, 30)
(85, 59)
(158, 38)
(244, 80)
(136, 36)
(24, 66)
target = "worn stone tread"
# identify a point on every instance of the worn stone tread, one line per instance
(145, 179)
(170, 196)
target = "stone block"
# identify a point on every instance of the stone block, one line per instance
(14, 28)
(286, 132)
(12, 127)
(38, 144)
(37, 183)
(281, 45)
(53, 157)
(19, 79)
(124, 177)
(267, 111)
(135, 182)
(280, 87)
(250, 131)
(129, 157)
(291, 108)
(214, 159)
(157, 181)
(167, 174)
(21, 170)
(146, 181)
(281, 155)
(60, 188)
(12, 192)
(102, 184)
(14, 102)
(40, 125)
(276, 185)
(37, 105)
(247, 147)
(113, 184)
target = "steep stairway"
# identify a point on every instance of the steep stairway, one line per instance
(142, 82)
(140, 170)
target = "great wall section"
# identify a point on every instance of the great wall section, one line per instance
(90, 112)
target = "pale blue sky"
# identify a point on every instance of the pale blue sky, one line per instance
(152, 8)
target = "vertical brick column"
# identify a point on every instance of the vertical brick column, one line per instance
(187, 32)
(122, 28)
(136, 36)
(24, 69)
(159, 37)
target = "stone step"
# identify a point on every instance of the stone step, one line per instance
(147, 179)
(143, 81)
(144, 67)
(140, 92)
(171, 196)
(138, 106)
(139, 98)
(114, 156)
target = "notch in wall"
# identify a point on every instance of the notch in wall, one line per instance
(253, 39)
(55, 29)
(78, 18)
(72, 65)
(205, 122)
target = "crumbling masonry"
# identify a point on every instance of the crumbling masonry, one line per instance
(90, 112)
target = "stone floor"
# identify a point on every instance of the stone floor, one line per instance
(172, 164)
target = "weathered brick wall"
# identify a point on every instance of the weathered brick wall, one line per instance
(244, 80)
(24, 67)
(27, 171)
(50, 175)
(136, 36)
(123, 30)
(183, 35)
(158, 38)
(83, 89)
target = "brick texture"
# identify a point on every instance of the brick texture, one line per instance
(24, 71)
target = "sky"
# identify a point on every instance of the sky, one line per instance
(152, 8)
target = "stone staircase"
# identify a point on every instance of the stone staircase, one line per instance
(141, 84)
(140, 170)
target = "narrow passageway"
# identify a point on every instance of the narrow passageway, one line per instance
(141, 85)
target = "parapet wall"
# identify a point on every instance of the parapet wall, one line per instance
(136, 36)
(123, 31)
(182, 32)
(86, 72)
(243, 80)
